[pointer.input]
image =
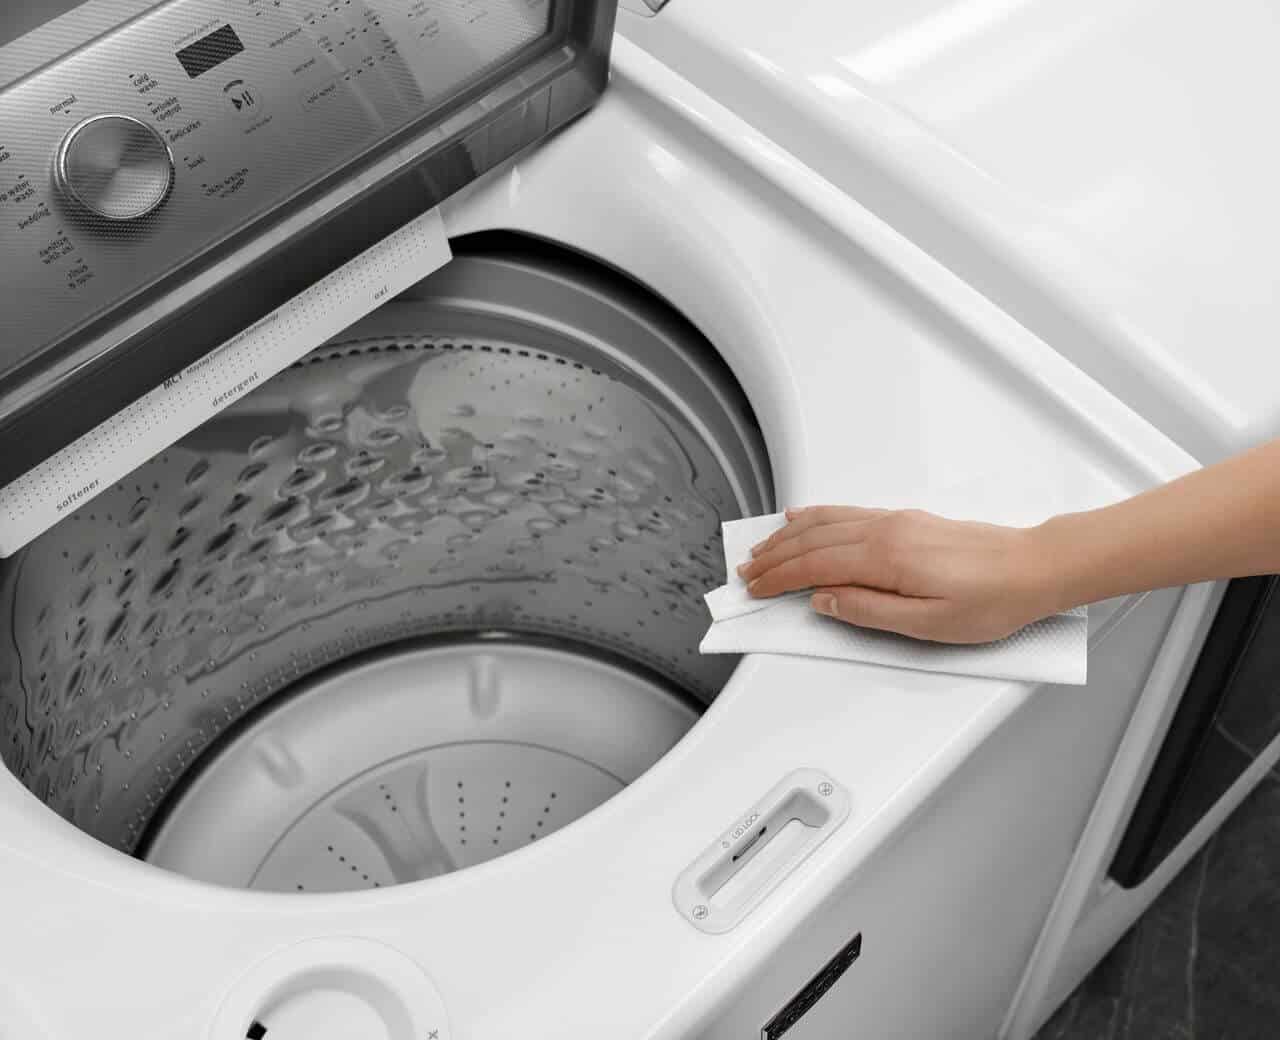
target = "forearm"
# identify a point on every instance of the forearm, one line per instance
(1219, 522)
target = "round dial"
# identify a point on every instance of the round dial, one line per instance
(116, 167)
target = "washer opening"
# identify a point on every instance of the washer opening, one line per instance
(428, 595)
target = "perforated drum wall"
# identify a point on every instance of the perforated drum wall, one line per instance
(522, 444)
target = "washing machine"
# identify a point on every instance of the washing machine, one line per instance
(376, 379)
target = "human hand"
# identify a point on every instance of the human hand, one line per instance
(908, 571)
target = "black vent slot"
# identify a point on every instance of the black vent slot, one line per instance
(799, 1005)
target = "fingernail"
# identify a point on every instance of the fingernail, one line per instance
(756, 550)
(751, 586)
(825, 603)
(742, 568)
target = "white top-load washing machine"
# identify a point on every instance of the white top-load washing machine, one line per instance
(359, 695)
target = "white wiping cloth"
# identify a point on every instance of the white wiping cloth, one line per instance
(1052, 650)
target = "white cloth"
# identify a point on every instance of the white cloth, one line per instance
(1052, 650)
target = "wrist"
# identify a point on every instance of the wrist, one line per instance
(1060, 564)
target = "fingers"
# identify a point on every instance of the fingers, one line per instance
(807, 541)
(886, 611)
(829, 565)
(801, 520)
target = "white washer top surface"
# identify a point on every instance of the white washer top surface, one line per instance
(1107, 172)
(875, 375)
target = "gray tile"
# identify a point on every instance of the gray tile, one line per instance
(1204, 961)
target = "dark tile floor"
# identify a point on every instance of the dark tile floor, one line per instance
(1204, 962)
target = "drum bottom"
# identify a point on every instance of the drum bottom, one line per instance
(415, 763)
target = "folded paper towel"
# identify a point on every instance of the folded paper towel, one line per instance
(1054, 649)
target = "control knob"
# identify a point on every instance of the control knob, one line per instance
(116, 167)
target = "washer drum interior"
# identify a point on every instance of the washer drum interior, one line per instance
(426, 596)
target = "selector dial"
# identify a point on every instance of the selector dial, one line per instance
(116, 167)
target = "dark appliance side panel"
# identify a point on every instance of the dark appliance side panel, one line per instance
(1228, 715)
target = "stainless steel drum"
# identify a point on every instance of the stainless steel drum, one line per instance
(426, 596)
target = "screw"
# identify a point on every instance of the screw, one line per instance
(825, 789)
(699, 912)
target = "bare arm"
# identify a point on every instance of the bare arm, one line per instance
(1219, 522)
(955, 581)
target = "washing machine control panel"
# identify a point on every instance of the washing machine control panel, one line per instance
(151, 145)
